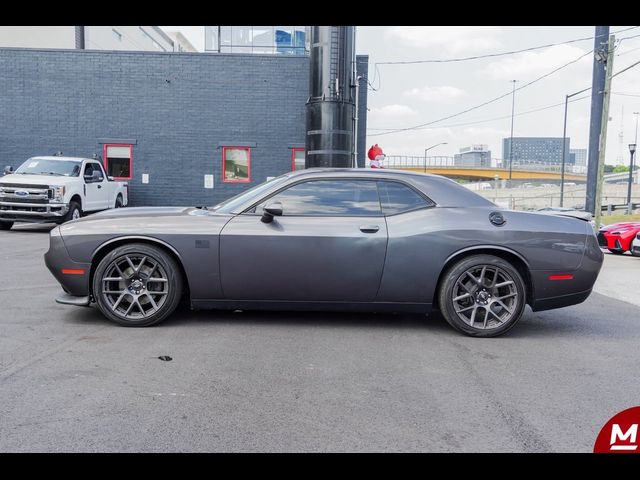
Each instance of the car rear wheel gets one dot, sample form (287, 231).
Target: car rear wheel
(137, 285)
(118, 202)
(482, 296)
(6, 225)
(616, 252)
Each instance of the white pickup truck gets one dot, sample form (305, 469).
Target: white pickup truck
(57, 189)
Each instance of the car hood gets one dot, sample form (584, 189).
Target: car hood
(145, 212)
(621, 226)
(37, 179)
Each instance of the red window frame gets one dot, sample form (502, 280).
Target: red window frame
(106, 160)
(293, 156)
(224, 165)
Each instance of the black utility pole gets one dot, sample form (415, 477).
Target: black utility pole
(600, 49)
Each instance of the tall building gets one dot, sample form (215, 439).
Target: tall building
(473, 156)
(578, 157)
(101, 37)
(535, 150)
(269, 40)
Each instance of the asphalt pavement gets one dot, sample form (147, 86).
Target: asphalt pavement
(274, 382)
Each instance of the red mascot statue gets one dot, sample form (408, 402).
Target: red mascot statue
(376, 156)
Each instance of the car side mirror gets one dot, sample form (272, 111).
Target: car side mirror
(8, 170)
(271, 210)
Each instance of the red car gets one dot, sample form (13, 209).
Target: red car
(618, 237)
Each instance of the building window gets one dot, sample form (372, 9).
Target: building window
(117, 34)
(236, 164)
(297, 159)
(117, 161)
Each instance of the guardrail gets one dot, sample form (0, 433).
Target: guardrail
(619, 206)
(408, 161)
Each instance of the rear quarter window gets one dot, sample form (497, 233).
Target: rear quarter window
(396, 197)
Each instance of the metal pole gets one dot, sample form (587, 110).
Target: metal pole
(632, 151)
(425, 160)
(600, 48)
(564, 142)
(513, 106)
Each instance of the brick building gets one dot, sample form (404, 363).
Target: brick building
(170, 123)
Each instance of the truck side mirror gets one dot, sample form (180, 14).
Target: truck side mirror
(8, 170)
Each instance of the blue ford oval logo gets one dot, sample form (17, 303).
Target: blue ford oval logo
(21, 193)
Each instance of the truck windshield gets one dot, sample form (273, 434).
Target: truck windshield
(39, 166)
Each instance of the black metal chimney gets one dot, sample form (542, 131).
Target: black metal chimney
(331, 104)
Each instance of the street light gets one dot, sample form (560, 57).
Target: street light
(425, 153)
(564, 142)
(513, 106)
(632, 150)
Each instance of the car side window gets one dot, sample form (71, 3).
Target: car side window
(397, 198)
(337, 198)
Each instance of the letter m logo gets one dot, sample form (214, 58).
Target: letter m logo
(629, 437)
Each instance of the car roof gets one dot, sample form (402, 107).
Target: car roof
(51, 157)
(382, 172)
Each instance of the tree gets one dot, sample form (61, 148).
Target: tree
(608, 168)
(620, 169)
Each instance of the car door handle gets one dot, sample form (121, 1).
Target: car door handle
(99, 186)
(369, 228)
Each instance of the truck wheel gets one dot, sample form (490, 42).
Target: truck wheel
(137, 285)
(119, 202)
(74, 213)
(482, 296)
(6, 225)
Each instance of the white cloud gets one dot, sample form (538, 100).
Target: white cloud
(531, 64)
(395, 111)
(442, 93)
(451, 39)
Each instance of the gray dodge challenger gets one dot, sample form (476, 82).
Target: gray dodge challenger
(330, 239)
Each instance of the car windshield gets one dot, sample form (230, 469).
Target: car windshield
(39, 166)
(232, 204)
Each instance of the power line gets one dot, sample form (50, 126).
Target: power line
(475, 122)
(499, 54)
(487, 102)
(626, 94)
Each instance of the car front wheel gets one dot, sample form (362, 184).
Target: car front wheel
(482, 296)
(137, 285)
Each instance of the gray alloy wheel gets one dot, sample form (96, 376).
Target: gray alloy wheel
(137, 285)
(482, 296)
(6, 225)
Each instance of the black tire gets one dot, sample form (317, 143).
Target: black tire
(118, 202)
(74, 211)
(482, 298)
(6, 225)
(616, 252)
(105, 301)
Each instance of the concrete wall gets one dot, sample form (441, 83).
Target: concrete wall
(177, 110)
(132, 37)
(38, 36)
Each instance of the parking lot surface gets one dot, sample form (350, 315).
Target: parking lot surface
(256, 381)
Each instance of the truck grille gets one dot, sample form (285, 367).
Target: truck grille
(38, 194)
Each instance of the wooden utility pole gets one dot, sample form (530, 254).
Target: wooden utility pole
(600, 48)
(603, 127)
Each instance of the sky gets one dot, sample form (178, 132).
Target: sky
(403, 96)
